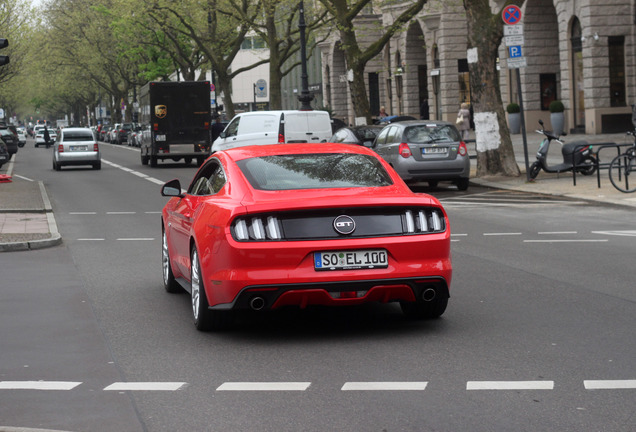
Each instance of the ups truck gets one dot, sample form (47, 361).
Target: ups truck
(176, 121)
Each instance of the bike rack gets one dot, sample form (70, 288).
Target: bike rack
(599, 165)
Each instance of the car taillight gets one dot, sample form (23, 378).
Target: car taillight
(206, 125)
(404, 150)
(424, 221)
(155, 126)
(60, 148)
(281, 138)
(257, 228)
(463, 150)
(95, 147)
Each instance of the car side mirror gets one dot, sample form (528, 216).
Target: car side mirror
(172, 189)
(368, 144)
(223, 135)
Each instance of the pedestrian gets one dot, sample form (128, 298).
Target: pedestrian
(217, 128)
(382, 112)
(47, 137)
(424, 109)
(463, 120)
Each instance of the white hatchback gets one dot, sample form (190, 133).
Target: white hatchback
(76, 146)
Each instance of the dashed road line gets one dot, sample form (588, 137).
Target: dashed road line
(609, 384)
(137, 173)
(38, 385)
(264, 386)
(136, 239)
(567, 241)
(385, 386)
(121, 213)
(504, 234)
(145, 386)
(510, 385)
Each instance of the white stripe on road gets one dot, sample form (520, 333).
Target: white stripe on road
(136, 239)
(82, 213)
(90, 239)
(385, 386)
(120, 212)
(503, 234)
(38, 385)
(145, 386)
(510, 385)
(264, 386)
(609, 384)
(137, 173)
(628, 233)
(556, 232)
(23, 178)
(565, 241)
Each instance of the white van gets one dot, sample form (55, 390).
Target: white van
(273, 127)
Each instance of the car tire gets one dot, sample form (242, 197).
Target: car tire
(204, 318)
(144, 160)
(97, 166)
(421, 309)
(153, 161)
(57, 166)
(169, 282)
(200, 160)
(187, 160)
(462, 184)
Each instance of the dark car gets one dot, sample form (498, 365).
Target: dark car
(360, 135)
(4, 153)
(10, 140)
(121, 133)
(425, 150)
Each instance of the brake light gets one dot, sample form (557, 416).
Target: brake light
(60, 148)
(463, 150)
(281, 138)
(155, 126)
(206, 125)
(404, 150)
(95, 147)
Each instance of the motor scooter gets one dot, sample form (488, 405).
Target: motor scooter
(576, 155)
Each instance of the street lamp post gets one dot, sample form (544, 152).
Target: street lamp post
(305, 96)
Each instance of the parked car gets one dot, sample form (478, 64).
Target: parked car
(112, 134)
(425, 150)
(22, 138)
(39, 137)
(10, 140)
(76, 146)
(360, 135)
(272, 127)
(393, 119)
(4, 153)
(134, 140)
(121, 133)
(262, 227)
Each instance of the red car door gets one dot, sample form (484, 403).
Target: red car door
(180, 225)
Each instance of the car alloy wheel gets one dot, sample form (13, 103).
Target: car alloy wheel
(204, 318)
(169, 282)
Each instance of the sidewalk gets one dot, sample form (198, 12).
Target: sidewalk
(27, 220)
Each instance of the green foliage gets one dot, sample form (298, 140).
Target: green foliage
(556, 106)
(513, 108)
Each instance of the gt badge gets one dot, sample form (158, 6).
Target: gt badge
(344, 224)
(161, 111)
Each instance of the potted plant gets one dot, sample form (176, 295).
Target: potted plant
(556, 117)
(514, 117)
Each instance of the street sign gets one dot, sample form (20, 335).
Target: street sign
(513, 30)
(517, 63)
(261, 88)
(514, 40)
(511, 15)
(514, 51)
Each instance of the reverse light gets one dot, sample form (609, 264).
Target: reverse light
(423, 221)
(404, 150)
(463, 150)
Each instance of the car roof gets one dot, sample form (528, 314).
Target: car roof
(76, 129)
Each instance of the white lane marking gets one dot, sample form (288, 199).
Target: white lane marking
(385, 386)
(90, 239)
(264, 386)
(136, 239)
(628, 233)
(556, 232)
(130, 148)
(609, 384)
(120, 212)
(459, 235)
(566, 241)
(153, 212)
(503, 234)
(510, 385)
(38, 385)
(82, 213)
(23, 178)
(145, 386)
(137, 173)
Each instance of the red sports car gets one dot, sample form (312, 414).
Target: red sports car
(263, 227)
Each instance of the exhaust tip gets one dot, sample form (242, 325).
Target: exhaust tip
(429, 294)
(257, 303)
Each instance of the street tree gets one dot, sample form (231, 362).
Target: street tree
(345, 13)
(495, 155)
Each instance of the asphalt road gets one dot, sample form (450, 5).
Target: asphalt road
(538, 335)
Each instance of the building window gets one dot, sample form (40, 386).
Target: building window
(617, 70)
(548, 85)
(464, 80)
(253, 42)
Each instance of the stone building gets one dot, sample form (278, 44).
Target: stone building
(581, 52)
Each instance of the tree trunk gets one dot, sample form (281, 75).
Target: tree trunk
(495, 155)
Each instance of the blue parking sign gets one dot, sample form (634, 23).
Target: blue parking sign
(514, 51)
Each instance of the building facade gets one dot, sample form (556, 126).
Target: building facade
(581, 52)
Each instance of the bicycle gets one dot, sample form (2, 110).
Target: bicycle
(622, 167)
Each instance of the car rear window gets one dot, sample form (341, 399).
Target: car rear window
(78, 136)
(430, 133)
(314, 171)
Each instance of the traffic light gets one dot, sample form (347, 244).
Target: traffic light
(4, 59)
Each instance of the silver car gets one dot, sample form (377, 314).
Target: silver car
(76, 146)
(425, 150)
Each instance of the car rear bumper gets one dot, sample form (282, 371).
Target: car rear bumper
(77, 158)
(412, 170)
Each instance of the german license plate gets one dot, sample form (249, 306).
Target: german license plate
(160, 138)
(79, 148)
(351, 260)
(435, 150)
